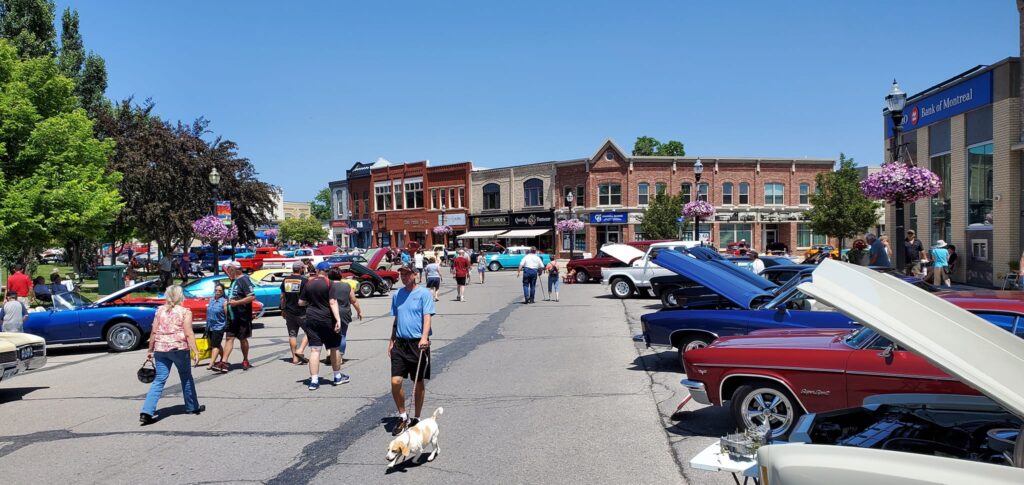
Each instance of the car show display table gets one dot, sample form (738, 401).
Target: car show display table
(713, 460)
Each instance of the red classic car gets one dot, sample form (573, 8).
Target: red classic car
(778, 375)
(588, 269)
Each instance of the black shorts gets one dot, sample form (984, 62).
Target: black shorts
(215, 337)
(460, 280)
(434, 282)
(294, 323)
(239, 328)
(404, 356)
(322, 333)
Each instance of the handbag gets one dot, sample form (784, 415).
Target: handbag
(202, 347)
(145, 374)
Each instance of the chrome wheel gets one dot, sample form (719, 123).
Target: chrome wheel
(123, 337)
(766, 405)
(621, 288)
(582, 276)
(494, 266)
(695, 344)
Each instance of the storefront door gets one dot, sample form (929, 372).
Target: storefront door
(771, 234)
(608, 235)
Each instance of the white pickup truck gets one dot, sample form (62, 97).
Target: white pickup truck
(298, 256)
(636, 276)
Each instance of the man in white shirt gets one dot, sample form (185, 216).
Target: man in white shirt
(418, 260)
(530, 267)
(757, 266)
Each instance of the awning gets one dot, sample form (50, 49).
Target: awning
(479, 234)
(525, 233)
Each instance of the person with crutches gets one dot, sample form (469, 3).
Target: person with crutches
(409, 346)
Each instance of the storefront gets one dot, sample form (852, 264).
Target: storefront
(518, 228)
(362, 238)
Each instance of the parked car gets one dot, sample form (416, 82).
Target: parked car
(816, 254)
(20, 353)
(640, 267)
(589, 269)
(256, 262)
(783, 273)
(270, 275)
(376, 259)
(195, 304)
(905, 438)
(511, 257)
(769, 261)
(370, 281)
(676, 287)
(267, 293)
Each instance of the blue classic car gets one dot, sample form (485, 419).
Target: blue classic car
(752, 308)
(511, 257)
(268, 293)
(74, 319)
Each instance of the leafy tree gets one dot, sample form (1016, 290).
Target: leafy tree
(671, 148)
(660, 217)
(72, 52)
(645, 146)
(92, 85)
(28, 26)
(840, 209)
(305, 230)
(320, 207)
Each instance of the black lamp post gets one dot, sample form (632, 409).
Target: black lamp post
(349, 215)
(896, 101)
(214, 179)
(445, 236)
(698, 168)
(572, 215)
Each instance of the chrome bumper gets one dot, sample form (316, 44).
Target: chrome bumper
(697, 390)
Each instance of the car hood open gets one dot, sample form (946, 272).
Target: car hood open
(963, 345)
(117, 295)
(622, 252)
(712, 276)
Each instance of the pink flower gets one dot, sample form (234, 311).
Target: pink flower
(898, 182)
(569, 225)
(699, 208)
(210, 228)
(350, 230)
(445, 229)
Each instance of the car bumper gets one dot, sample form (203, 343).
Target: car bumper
(697, 390)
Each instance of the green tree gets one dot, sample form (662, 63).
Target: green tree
(305, 230)
(28, 26)
(645, 146)
(661, 216)
(671, 148)
(320, 207)
(72, 52)
(92, 85)
(839, 208)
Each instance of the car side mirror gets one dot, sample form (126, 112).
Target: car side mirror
(886, 353)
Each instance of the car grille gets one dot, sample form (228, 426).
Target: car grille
(39, 349)
(6, 357)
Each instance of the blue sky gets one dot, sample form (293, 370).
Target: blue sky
(309, 88)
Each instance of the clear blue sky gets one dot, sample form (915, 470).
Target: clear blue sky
(309, 88)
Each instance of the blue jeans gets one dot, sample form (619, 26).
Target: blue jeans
(529, 283)
(163, 361)
(554, 283)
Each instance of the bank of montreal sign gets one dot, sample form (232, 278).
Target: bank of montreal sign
(609, 217)
(970, 94)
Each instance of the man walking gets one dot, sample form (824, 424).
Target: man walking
(294, 314)
(530, 267)
(165, 271)
(914, 251)
(409, 347)
(460, 268)
(240, 298)
(19, 284)
(877, 255)
(323, 324)
(13, 314)
(757, 264)
(345, 295)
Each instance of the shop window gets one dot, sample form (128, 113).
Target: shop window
(383, 196)
(414, 195)
(773, 194)
(805, 237)
(942, 224)
(462, 197)
(727, 193)
(609, 194)
(744, 193)
(581, 241)
(684, 192)
(660, 188)
(643, 193)
(492, 197)
(399, 203)
(687, 230)
(702, 191)
(533, 193)
(805, 194)
(979, 184)
(580, 201)
(728, 233)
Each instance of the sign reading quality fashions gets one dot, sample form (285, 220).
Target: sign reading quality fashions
(970, 94)
(517, 220)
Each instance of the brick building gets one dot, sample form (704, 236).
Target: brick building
(514, 202)
(360, 189)
(407, 202)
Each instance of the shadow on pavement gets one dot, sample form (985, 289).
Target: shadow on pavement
(17, 393)
(407, 464)
(78, 349)
(667, 361)
(712, 421)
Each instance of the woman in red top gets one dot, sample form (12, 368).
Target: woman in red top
(169, 344)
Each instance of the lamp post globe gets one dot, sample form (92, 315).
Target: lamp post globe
(698, 168)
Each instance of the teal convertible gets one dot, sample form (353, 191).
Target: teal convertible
(511, 258)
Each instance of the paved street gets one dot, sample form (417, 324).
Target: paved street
(546, 393)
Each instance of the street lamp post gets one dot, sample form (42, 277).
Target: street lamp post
(445, 237)
(572, 215)
(896, 101)
(698, 168)
(349, 224)
(214, 179)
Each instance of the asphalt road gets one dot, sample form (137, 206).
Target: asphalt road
(545, 393)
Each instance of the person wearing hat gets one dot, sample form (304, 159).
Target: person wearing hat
(295, 314)
(914, 252)
(323, 325)
(940, 261)
(240, 297)
(409, 346)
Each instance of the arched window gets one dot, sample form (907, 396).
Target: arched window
(744, 193)
(685, 193)
(702, 191)
(643, 193)
(492, 196)
(805, 194)
(727, 193)
(533, 193)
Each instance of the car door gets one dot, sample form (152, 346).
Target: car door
(268, 294)
(60, 323)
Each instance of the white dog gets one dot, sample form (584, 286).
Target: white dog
(415, 440)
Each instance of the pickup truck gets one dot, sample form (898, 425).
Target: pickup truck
(511, 257)
(297, 256)
(640, 267)
(589, 269)
(256, 262)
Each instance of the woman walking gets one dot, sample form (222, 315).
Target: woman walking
(481, 266)
(433, 275)
(216, 320)
(554, 281)
(169, 344)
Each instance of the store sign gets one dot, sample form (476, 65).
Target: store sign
(337, 223)
(361, 225)
(609, 217)
(973, 93)
(458, 219)
(488, 221)
(530, 220)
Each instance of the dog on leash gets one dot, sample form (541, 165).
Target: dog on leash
(415, 440)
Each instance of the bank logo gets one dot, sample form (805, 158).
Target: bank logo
(597, 217)
(914, 114)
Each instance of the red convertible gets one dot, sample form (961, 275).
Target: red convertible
(778, 375)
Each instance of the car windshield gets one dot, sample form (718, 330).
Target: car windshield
(794, 299)
(69, 301)
(858, 337)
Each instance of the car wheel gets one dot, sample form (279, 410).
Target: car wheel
(123, 336)
(582, 276)
(621, 288)
(390, 283)
(494, 266)
(668, 297)
(692, 343)
(753, 405)
(365, 290)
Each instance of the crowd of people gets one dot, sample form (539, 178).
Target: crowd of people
(935, 264)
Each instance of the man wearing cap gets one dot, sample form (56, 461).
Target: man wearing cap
(294, 314)
(240, 297)
(409, 346)
(323, 324)
(914, 252)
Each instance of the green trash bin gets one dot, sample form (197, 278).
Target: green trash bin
(111, 278)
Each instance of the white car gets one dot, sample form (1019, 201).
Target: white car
(640, 267)
(20, 352)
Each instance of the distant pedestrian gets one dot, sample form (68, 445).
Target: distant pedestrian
(184, 267)
(323, 324)
(240, 298)
(444, 258)
(858, 254)
(460, 268)
(166, 266)
(345, 295)
(878, 254)
(169, 344)
(530, 267)
(951, 264)
(409, 346)
(433, 274)
(888, 247)
(19, 283)
(756, 264)
(405, 257)
(13, 313)
(418, 259)
(914, 252)
(481, 266)
(216, 321)
(940, 260)
(295, 314)
(554, 280)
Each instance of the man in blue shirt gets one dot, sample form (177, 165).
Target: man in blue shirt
(409, 347)
(877, 255)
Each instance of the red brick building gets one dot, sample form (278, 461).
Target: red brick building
(406, 202)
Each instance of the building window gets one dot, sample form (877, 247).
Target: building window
(660, 188)
(444, 199)
(533, 193)
(414, 195)
(773, 194)
(609, 194)
(942, 225)
(399, 203)
(727, 193)
(728, 233)
(355, 208)
(492, 197)
(580, 201)
(462, 197)
(383, 196)
(608, 155)
(702, 191)
(687, 230)
(806, 238)
(452, 196)
(366, 203)
(684, 192)
(581, 241)
(643, 193)
(744, 193)
(805, 194)
(979, 184)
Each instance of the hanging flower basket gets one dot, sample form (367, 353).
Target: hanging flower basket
(350, 230)
(446, 229)
(210, 228)
(898, 182)
(569, 225)
(271, 233)
(699, 208)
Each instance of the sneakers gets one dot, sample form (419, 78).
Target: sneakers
(341, 379)
(146, 419)
(202, 407)
(314, 385)
(245, 365)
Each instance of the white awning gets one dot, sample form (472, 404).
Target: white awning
(525, 233)
(479, 234)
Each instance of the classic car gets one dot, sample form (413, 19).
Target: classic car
(268, 293)
(676, 287)
(19, 353)
(589, 269)
(256, 261)
(270, 275)
(511, 257)
(913, 438)
(370, 281)
(72, 318)
(769, 261)
(376, 258)
(640, 267)
(821, 249)
(195, 304)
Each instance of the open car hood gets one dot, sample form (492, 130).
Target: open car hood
(963, 345)
(117, 295)
(622, 252)
(713, 276)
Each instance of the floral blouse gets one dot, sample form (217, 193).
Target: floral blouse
(169, 328)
